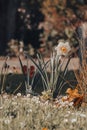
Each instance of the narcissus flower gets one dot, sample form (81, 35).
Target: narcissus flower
(63, 48)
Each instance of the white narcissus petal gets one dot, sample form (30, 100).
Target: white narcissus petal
(63, 48)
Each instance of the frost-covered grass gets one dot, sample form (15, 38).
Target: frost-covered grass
(19, 112)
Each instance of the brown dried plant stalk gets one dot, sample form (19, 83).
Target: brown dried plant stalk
(81, 74)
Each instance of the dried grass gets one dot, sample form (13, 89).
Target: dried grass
(81, 74)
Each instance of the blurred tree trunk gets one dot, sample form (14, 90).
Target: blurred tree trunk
(11, 25)
(11, 18)
(8, 11)
(3, 21)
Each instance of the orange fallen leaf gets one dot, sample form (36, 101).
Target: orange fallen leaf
(73, 95)
(44, 129)
(78, 101)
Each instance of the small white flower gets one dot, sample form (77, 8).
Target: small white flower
(71, 104)
(73, 120)
(18, 94)
(46, 103)
(30, 110)
(64, 103)
(65, 120)
(63, 48)
(82, 115)
(28, 95)
(7, 121)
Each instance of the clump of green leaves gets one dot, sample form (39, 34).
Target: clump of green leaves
(50, 70)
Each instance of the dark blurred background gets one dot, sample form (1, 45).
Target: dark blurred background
(39, 22)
